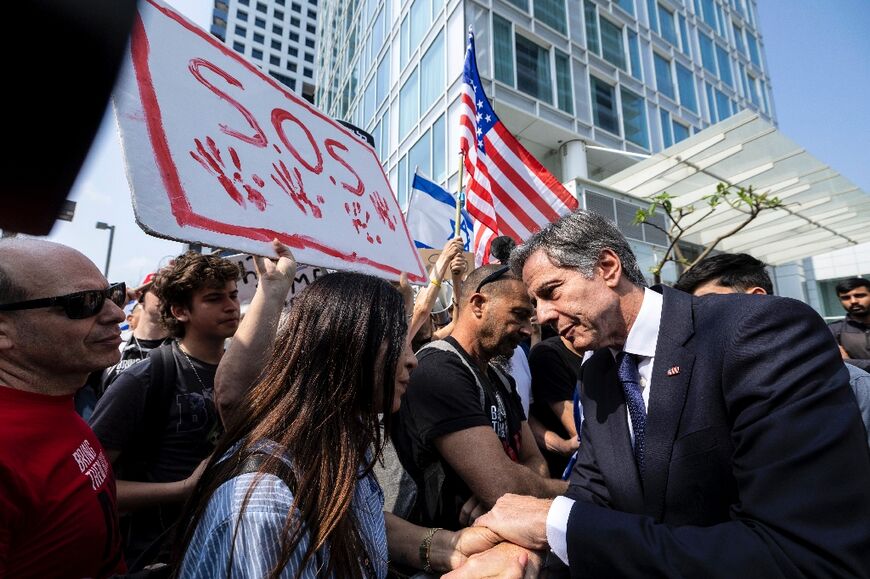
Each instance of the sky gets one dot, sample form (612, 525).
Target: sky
(816, 53)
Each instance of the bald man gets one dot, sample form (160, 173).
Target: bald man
(58, 322)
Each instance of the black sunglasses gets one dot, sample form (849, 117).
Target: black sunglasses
(78, 305)
(492, 277)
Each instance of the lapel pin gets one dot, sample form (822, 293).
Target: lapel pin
(673, 371)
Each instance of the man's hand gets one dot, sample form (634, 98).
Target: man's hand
(504, 561)
(472, 509)
(276, 274)
(458, 265)
(519, 519)
(189, 484)
(470, 541)
(450, 251)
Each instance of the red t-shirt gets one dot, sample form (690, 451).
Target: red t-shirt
(58, 515)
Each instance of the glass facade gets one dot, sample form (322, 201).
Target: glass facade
(630, 74)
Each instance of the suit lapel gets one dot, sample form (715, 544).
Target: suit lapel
(672, 371)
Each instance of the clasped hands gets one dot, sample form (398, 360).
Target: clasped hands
(505, 543)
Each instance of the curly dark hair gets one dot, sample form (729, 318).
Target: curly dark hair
(175, 284)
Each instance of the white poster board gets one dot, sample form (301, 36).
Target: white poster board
(247, 284)
(221, 154)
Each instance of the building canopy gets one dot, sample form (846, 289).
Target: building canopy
(822, 209)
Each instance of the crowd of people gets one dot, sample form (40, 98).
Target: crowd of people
(567, 420)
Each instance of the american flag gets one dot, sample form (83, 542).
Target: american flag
(509, 192)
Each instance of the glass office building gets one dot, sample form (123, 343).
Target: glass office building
(278, 35)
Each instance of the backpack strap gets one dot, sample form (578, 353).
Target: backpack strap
(445, 346)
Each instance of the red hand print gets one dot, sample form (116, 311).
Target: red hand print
(292, 185)
(383, 210)
(212, 161)
(355, 210)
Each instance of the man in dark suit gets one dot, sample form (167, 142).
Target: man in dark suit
(720, 438)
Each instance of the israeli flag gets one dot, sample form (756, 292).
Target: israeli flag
(431, 215)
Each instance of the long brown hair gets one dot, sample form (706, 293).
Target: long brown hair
(317, 401)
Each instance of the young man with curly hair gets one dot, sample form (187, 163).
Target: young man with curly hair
(158, 420)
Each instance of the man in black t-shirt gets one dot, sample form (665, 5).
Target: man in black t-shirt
(157, 432)
(461, 430)
(555, 369)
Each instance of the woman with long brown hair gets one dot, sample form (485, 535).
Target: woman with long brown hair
(289, 490)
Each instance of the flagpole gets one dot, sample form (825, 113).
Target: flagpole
(459, 195)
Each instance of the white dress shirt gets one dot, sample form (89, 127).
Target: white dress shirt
(641, 341)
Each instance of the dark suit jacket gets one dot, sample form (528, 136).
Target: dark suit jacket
(756, 464)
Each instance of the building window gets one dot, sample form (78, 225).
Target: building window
(612, 48)
(277, 30)
(684, 36)
(259, 23)
(552, 13)
(257, 54)
(242, 15)
(274, 60)
(307, 72)
(296, 7)
(652, 12)
(754, 56)
(239, 47)
(294, 37)
(521, 4)
(309, 57)
(711, 103)
(292, 51)
(564, 97)
(723, 105)
(241, 31)
(291, 66)
(279, 2)
(502, 50)
(258, 38)
(279, 15)
(753, 89)
(709, 13)
(420, 155)
(681, 132)
(634, 119)
(295, 22)
(686, 85)
(286, 80)
(439, 154)
(533, 69)
(634, 54)
(738, 40)
(312, 14)
(276, 44)
(664, 80)
(591, 16)
(708, 56)
(243, 2)
(667, 135)
(309, 42)
(724, 66)
(667, 29)
(627, 5)
(432, 74)
(383, 78)
(311, 29)
(409, 104)
(604, 106)
(261, 7)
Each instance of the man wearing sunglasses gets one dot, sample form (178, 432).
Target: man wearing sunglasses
(58, 323)
(158, 420)
(461, 431)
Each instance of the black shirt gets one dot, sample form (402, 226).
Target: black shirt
(443, 398)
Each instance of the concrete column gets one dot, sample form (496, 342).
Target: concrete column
(574, 160)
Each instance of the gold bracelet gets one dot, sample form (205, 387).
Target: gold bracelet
(426, 547)
(435, 281)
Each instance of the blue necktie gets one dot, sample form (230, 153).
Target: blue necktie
(630, 378)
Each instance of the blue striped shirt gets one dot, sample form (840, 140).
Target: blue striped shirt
(257, 544)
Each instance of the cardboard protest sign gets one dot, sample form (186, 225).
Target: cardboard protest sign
(221, 154)
(247, 284)
(430, 256)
